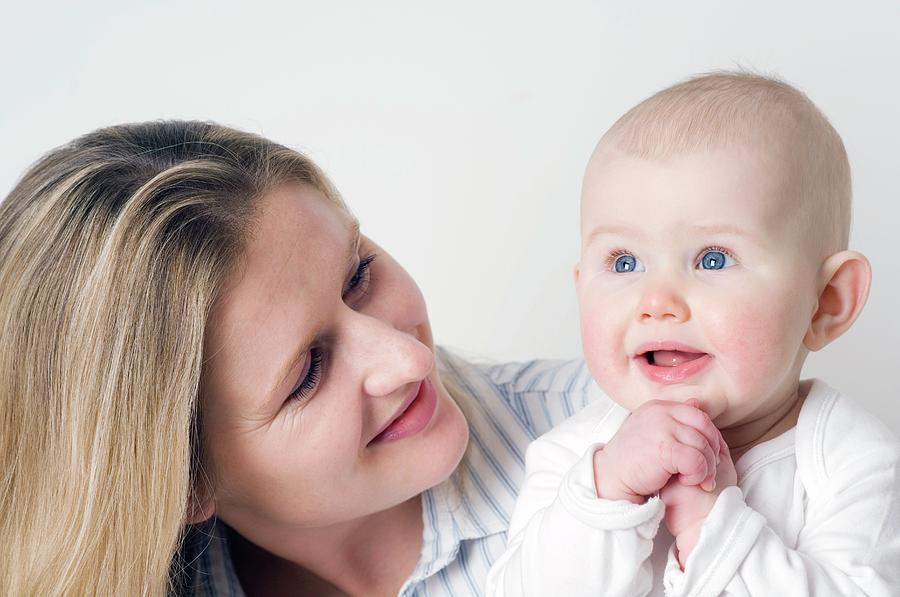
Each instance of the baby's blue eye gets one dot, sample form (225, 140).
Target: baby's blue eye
(713, 259)
(627, 263)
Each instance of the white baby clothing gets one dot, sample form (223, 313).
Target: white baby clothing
(816, 512)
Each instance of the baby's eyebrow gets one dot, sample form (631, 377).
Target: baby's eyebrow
(613, 229)
(708, 229)
(721, 229)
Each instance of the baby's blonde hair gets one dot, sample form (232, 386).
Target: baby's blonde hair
(113, 250)
(726, 109)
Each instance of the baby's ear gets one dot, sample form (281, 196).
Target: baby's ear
(843, 289)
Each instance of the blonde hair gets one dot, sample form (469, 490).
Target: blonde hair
(113, 249)
(724, 109)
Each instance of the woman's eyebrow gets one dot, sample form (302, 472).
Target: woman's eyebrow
(354, 244)
(303, 348)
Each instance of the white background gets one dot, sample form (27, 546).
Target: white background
(458, 132)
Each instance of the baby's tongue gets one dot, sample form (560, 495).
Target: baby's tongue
(673, 358)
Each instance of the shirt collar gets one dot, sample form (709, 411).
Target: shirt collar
(448, 520)
(449, 517)
(207, 560)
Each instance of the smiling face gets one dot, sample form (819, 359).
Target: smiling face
(321, 403)
(695, 281)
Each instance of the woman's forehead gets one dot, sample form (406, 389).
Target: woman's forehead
(296, 212)
(299, 234)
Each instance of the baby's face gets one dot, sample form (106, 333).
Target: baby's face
(694, 281)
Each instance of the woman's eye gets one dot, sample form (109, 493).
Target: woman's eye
(311, 376)
(358, 283)
(713, 259)
(361, 278)
(627, 263)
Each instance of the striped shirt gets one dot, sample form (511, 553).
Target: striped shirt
(466, 517)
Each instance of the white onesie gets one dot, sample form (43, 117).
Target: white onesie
(816, 513)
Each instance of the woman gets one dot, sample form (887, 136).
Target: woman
(213, 384)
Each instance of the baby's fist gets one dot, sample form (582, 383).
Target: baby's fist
(658, 440)
(687, 506)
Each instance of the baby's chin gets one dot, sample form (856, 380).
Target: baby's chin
(712, 401)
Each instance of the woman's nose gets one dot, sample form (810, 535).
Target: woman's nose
(663, 301)
(389, 358)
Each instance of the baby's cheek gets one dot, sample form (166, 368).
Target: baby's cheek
(603, 342)
(757, 343)
(593, 337)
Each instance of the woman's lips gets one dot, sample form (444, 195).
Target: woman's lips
(668, 363)
(413, 417)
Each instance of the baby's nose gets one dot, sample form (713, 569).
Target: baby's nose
(663, 302)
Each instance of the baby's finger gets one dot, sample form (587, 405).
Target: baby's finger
(724, 451)
(679, 459)
(691, 437)
(699, 420)
(707, 484)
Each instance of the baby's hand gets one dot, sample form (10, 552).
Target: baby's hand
(687, 506)
(658, 440)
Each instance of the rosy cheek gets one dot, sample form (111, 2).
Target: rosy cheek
(602, 334)
(592, 335)
(754, 342)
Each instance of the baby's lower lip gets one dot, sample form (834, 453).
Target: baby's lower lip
(672, 366)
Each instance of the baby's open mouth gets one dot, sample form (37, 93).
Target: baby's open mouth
(668, 362)
(670, 358)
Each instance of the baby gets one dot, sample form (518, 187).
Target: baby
(715, 221)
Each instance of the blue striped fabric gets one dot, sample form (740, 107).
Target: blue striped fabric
(465, 518)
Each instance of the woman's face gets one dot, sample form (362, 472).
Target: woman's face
(321, 403)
